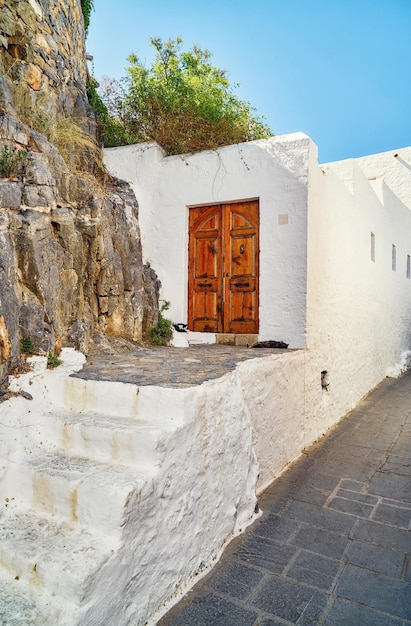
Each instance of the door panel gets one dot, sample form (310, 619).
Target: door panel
(241, 267)
(223, 268)
(205, 270)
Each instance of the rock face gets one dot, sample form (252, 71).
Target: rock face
(70, 252)
(42, 54)
(70, 259)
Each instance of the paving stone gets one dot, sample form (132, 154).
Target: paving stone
(314, 488)
(210, 610)
(353, 450)
(397, 465)
(321, 541)
(277, 527)
(345, 613)
(269, 621)
(402, 449)
(235, 579)
(314, 610)
(315, 570)
(377, 455)
(360, 470)
(376, 558)
(169, 366)
(376, 591)
(394, 515)
(383, 535)
(270, 504)
(320, 517)
(264, 553)
(353, 485)
(390, 485)
(286, 599)
(374, 443)
(351, 506)
(359, 497)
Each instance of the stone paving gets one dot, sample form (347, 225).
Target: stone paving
(170, 367)
(332, 545)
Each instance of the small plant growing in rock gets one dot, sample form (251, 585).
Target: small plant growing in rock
(162, 332)
(12, 161)
(26, 346)
(53, 361)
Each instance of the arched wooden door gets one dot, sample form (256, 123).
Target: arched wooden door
(223, 268)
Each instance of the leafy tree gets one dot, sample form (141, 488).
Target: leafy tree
(183, 102)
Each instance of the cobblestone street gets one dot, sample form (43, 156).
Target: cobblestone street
(332, 545)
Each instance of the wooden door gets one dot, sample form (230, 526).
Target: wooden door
(223, 268)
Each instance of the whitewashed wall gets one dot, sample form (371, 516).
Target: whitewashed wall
(274, 170)
(358, 310)
(319, 287)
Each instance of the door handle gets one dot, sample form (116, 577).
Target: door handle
(204, 284)
(241, 284)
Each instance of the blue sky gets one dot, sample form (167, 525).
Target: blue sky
(338, 70)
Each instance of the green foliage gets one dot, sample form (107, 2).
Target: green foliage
(12, 161)
(53, 361)
(26, 346)
(87, 6)
(183, 102)
(161, 334)
(110, 130)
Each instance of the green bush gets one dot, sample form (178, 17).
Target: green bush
(53, 361)
(26, 346)
(110, 131)
(161, 334)
(13, 160)
(183, 102)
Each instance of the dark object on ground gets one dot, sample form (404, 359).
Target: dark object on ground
(25, 394)
(270, 344)
(7, 394)
(180, 328)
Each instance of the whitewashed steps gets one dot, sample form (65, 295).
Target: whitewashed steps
(52, 561)
(20, 607)
(83, 459)
(82, 491)
(105, 438)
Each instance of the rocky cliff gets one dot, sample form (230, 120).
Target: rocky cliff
(70, 253)
(43, 57)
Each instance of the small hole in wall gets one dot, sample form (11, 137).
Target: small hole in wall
(324, 380)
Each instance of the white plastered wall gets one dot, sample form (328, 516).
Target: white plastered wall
(319, 288)
(358, 310)
(274, 170)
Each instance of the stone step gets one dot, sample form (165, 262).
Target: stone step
(107, 439)
(21, 606)
(47, 559)
(79, 491)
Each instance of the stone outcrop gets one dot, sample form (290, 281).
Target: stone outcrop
(43, 57)
(70, 252)
(70, 257)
